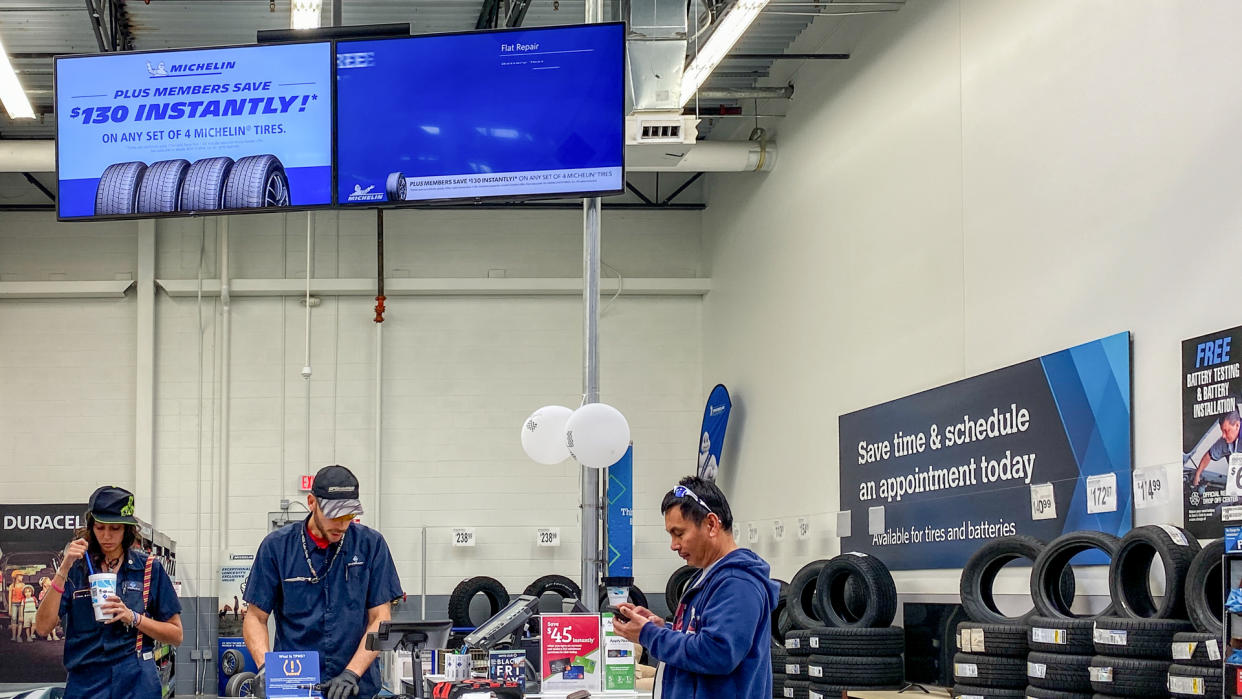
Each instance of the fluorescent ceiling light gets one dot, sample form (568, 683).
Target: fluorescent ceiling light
(11, 92)
(305, 14)
(730, 29)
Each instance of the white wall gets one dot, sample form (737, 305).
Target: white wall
(981, 183)
(460, 374)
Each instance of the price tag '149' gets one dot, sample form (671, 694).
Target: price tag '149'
(1043, 502)
(463, 537)
(1150, 487)
(1102, 493)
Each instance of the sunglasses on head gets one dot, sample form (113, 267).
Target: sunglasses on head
(682, 491)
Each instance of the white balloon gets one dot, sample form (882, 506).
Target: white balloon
(597, 435)
(543, 434)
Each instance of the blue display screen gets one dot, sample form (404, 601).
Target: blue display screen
(173, 132)
(508, 114)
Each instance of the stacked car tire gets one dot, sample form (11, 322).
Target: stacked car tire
(1133, 656)
(843, 609)
(1060, 657)
(1134, 648)
(1196, 669)
(991, 662)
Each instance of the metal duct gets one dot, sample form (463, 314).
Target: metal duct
(655, 53)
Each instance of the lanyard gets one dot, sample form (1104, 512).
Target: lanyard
(316, 576)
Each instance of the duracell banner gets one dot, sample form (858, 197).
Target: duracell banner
(38, 524)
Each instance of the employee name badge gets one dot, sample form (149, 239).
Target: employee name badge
(1233, 486)
(292, 674)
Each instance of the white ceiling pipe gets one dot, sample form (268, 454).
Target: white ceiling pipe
(704, 156)
(27, 156)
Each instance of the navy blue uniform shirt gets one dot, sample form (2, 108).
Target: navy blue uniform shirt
(88, 642)
(329, 616)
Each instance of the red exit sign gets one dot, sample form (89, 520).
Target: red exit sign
(308, 482)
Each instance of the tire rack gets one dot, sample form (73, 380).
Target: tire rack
(157, 543)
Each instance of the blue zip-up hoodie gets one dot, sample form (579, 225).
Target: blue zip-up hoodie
(720, 644)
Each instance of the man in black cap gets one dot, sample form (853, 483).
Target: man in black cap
(329, 580)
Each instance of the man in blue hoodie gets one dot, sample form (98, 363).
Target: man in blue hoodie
(719, 644)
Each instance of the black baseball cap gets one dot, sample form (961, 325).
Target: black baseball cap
(113, 505)
(336, 490)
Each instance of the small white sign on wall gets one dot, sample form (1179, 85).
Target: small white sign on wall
(1102, 493)
(804, 528)
(464, 536)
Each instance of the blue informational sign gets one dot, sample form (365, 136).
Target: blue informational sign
(1233, 539)
(292, 674)
(145, 134)
(498, 114)
(231, 664)
(1038, 448)
(621, 517)
(712, 433)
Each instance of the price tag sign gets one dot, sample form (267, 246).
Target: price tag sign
(1233, 486)
(752, 533)
(548, 536)
(1151, 487)
(804, 528)
(1043, 504)
(1102, 493)
(778, 530)
(463, 537)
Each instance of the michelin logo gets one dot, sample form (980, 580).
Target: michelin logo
(360, 194)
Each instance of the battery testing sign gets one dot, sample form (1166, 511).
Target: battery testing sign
(194, 130)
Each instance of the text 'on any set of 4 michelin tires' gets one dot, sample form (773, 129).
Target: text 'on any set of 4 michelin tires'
(208, 184)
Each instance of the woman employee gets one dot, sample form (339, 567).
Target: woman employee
(106, 659)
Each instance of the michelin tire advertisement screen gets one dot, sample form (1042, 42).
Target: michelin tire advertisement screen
(470, 116)
(149, 134)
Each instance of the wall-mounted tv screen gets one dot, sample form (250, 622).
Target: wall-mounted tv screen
(500, 114)
(194, 131)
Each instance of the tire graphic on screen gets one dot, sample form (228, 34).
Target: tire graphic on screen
(257, 181)
(160, 191)
(395, 186)
(117, 192)
(204, 184)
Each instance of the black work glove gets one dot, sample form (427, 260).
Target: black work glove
(258, 686)
(342, 686)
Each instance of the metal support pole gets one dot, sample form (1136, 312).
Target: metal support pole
(592, 512)
(144, 420)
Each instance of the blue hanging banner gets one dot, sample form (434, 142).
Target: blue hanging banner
(711, 436)
(621, 517)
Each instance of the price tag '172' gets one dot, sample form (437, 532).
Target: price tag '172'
(1043, 502)
(463, 537)
(1102, 493)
